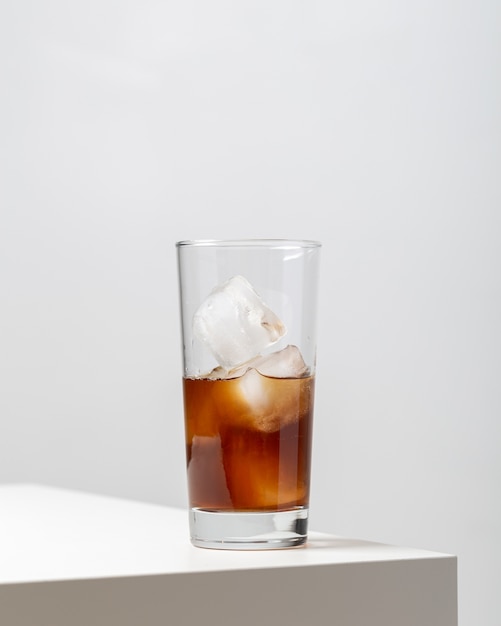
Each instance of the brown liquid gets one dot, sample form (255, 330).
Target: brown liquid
(248, 442)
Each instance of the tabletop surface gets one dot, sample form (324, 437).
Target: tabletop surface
(49, 534)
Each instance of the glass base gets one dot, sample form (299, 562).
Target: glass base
(248, 530)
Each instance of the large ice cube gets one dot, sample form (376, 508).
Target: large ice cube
(235, 324)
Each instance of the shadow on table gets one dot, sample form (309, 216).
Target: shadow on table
(337, 542)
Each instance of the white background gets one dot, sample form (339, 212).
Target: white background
(374, 127)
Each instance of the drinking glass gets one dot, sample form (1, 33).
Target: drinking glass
(248, 325)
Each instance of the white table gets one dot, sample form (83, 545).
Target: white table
(74, 559)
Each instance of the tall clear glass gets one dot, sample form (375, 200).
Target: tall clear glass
(248, 318)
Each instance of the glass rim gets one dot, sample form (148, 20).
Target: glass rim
(278, 244)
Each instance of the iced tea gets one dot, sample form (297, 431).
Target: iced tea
(248, 322)
(248, 442)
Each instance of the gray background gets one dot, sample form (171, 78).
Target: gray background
(374, 127)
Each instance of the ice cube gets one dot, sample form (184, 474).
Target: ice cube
(286, 363)
(206, 477)
(265, 393)
(262, 402)
(261, 474)
(235, 324)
